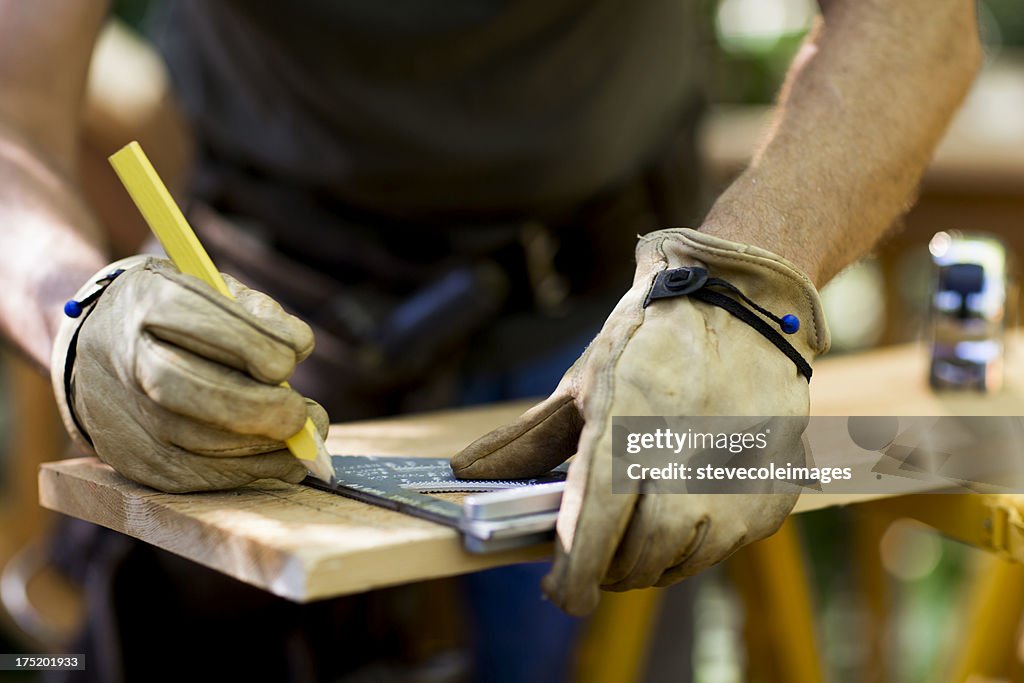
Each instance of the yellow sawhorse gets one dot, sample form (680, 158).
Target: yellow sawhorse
(781, 639)
(780, 631)
(995, 601)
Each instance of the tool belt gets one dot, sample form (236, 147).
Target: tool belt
(394, 303)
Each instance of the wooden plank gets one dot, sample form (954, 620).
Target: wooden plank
(894, 381)
(306, 544)
(296, 542)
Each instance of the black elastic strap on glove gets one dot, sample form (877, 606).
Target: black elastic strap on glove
(74, 309)
(694, 282)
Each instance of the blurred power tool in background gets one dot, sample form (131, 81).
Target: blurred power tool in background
(973, 301)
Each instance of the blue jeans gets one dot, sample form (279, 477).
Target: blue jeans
(517, 634)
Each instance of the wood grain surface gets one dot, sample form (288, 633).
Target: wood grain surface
(305, 544)
(294, 541)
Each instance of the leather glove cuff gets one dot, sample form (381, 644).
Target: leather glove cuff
(62, 358)
(766, 278)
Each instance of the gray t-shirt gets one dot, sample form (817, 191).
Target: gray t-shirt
(412, 108)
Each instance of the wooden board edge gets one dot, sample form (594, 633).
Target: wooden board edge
(290, 575)
(60, 490)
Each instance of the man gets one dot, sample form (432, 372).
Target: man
(424, 135)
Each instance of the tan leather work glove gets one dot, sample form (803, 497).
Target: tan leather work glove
(677, 356)
(177, 387)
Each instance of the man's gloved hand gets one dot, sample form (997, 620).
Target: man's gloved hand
(178, 387)
(678, 356)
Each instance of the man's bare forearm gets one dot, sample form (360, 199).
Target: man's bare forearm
(49, 245)
(867, 100)
(49, 241)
